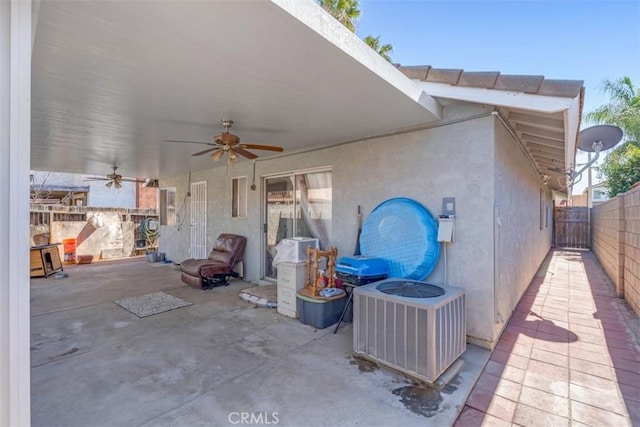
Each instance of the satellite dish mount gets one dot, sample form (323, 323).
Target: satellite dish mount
(594, 140)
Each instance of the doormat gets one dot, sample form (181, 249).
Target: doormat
(263, 296)
(148, 305)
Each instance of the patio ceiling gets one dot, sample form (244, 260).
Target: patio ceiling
(112, 80)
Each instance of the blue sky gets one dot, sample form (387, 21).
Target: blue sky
(576, 40)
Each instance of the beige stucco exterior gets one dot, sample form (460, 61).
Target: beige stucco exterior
(470, 156)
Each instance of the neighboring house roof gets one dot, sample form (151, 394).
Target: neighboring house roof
(598, 186)
(542, 114)
(67, 188)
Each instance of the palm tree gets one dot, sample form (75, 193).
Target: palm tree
(621, 167)
(623, 109)
(346, 12)
(382, 49)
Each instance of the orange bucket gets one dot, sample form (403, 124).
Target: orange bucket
(69, 246)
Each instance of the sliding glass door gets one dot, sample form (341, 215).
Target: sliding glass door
(296, 205)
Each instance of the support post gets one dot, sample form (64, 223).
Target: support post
(15, 146)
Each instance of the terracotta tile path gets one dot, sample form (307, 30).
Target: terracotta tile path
(570, 355)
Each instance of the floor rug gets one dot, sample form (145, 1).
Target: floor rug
(263, 296)
(148, 305)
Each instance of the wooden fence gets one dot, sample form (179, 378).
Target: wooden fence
(571, 227)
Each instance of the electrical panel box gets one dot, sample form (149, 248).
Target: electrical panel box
(445, 229)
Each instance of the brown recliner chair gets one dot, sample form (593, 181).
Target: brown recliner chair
(216, 270)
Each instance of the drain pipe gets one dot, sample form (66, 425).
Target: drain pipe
(513, 133)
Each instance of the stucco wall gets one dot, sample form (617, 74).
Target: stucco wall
(616, 243)
(104, 233)
(453, 160)
(521, 241)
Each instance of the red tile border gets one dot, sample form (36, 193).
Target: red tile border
(565, 357)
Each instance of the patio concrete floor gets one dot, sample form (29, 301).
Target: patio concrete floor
(96, 364)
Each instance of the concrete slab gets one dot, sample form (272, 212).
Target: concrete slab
(220, 361)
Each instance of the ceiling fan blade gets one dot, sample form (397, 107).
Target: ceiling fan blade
(200, 153)
(245, 153)
(262, 147)
(130, 180)
(189, 142)
(92, 178)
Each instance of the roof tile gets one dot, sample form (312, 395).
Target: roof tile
(444, 75)
(514, 83)
(564, 88)
(418, 72)
(494, 80)
(485, 79)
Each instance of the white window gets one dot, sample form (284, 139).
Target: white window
(168, 206)
(239, 197)
(599, 194)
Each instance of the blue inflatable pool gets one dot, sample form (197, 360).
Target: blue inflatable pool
(403, 232)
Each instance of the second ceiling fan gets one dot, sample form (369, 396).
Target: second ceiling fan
(113, 179)
(229, 144)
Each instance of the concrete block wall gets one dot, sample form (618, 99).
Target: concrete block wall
(616, 243)
(605, 239)
(631, 258)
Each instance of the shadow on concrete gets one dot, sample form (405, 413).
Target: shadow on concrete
(621, 330)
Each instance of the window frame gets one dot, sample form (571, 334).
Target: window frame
(167, 212)
(239, 196)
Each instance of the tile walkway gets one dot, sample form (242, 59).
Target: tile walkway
(570, 355)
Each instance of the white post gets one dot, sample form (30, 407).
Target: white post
(589, 202)
(15, 146)
(589, 190)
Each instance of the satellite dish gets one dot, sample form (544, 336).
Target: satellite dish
(600, 137)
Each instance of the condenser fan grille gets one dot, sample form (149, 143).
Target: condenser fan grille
(404, 288)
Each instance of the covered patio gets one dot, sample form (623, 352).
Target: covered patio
(94, 363)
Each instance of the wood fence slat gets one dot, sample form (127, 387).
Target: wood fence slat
(571, 227)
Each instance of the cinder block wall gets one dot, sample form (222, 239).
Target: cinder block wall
(605, 239)
(616, 243)
(631, 235)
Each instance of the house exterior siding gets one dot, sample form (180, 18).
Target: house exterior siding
(451, 160)
(523, 225)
